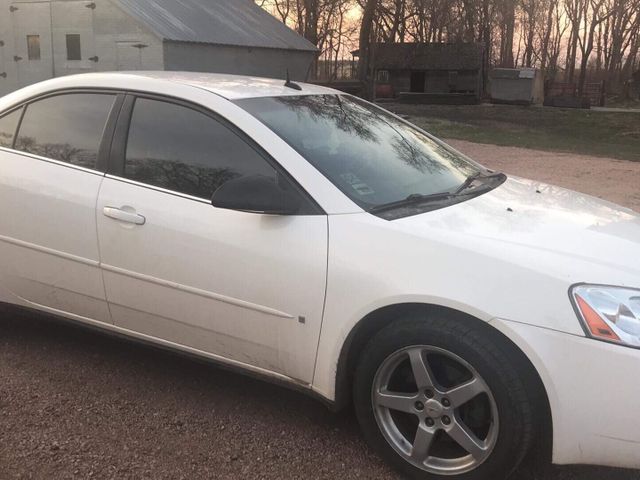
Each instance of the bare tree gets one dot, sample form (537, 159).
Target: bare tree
(366, 41)
(507, 32)
(595, 12)
(554, 35)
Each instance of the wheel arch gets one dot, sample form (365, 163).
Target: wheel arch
(373, 322)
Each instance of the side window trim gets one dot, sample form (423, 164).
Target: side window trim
(104, 151)
(11, 111)
(23, 109)
(118, 151)
(107, 134)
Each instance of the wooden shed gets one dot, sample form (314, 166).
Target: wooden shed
(429, 72)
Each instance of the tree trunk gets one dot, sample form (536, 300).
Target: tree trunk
(506, 57)
(365, 42)
(587, 48)
(531, 11)
(486, 36)
(547, 38)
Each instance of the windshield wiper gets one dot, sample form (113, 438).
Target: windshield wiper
(412, 199)
(472, 178)
(419, 198)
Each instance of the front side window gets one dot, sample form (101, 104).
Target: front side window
(8, 127)
(33, 47)
(74, 50)
(373, 157)
(183, 150)
(67, 127)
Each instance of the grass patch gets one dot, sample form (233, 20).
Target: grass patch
(606, 134)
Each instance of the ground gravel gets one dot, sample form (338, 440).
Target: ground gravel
(75, 404)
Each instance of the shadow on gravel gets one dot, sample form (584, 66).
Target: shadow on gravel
(77, 403)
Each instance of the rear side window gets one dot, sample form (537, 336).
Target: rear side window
(183, 150)
(67, 128)
(8, 127)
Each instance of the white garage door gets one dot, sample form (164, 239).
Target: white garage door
(74, 37)
(129, 55)
(4, 75)
(32, 36)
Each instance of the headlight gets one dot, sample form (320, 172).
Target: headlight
(609, 313)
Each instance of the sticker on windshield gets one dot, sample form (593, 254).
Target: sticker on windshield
(357, 184)
(363, 189)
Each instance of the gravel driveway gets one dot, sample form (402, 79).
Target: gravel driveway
(614, 180)
(78, 404)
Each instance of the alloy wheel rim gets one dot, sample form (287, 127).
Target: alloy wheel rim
(439, 408)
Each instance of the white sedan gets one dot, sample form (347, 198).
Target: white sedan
(317, 240)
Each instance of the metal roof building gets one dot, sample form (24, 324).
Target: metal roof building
(44, 39)
(518, 86)
(429, 72)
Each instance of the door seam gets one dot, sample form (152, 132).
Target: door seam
(104, 282)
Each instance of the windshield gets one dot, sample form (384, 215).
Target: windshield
(371, 156)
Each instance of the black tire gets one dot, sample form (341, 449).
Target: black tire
(470, 342)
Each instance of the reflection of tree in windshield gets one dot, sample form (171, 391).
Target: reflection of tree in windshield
(352, 117)
(369, 154)
(333, 110)
(422, 153)
(411, 154)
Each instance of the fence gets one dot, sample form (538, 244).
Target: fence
(595, 92)
(332, 70)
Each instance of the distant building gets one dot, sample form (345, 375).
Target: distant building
(50, 38)
(517, 86)
(429, 72)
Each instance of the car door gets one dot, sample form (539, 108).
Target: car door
(245, 287)
(49, 182)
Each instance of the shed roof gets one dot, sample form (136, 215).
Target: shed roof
(427, 56)
(220, 22)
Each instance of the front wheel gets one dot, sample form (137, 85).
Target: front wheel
(439, 399)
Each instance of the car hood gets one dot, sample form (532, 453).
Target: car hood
(540, 225)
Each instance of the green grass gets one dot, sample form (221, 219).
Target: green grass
(607, 134)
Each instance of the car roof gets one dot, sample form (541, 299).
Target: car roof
(238, 86)
(231, 87)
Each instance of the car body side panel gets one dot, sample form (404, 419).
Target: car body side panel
(229, 283)
(48, 239)
(421, 261)
(592, 389)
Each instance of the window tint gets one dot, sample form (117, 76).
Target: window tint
(183, 150)
(68, 128)
(74, 52)
(33, 47)
(8, 127)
